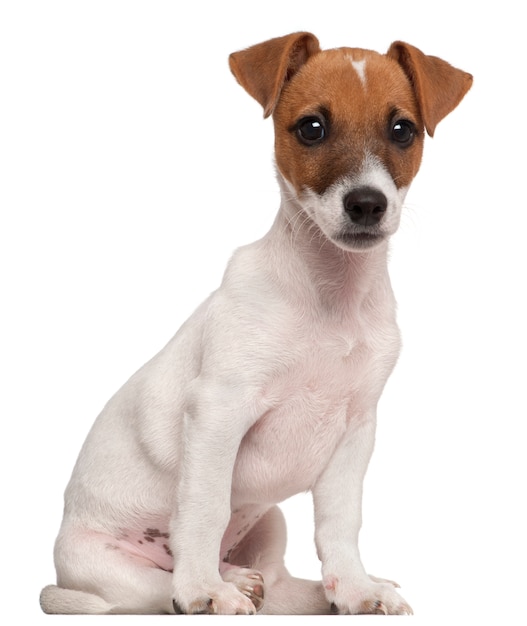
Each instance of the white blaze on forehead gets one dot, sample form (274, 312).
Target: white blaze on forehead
(360, 68)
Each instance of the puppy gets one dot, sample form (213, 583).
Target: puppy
(271, 387)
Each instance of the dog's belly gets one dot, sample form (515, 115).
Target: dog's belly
(149, 545)
(286, 450)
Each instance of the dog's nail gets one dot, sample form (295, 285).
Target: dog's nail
(211, 606)
(407, 610)
(177, 608)
(256, 576)
(380, 609)
(198, 608)
(251, 612)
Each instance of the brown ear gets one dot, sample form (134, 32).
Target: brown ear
(438, 86)
(263, 69)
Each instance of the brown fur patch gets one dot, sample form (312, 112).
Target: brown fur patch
(359, 117)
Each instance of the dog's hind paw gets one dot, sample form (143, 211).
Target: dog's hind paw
(249, 581)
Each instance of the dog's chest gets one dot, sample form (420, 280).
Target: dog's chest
(315, 400)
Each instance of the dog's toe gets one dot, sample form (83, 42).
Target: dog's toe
(373, 598)
(227, 600)
(203, 606)
(250, 582)
(376, 579)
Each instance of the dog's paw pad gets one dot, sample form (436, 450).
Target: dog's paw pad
(255, 595)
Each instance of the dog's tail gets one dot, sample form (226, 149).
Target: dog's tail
(56, 600)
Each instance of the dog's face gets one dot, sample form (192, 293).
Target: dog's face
(349, 140)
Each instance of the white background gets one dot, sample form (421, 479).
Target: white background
(132, 164)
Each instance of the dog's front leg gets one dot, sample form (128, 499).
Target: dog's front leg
(337, 497)
(214, 427)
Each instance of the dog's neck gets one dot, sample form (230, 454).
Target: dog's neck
(310, 266)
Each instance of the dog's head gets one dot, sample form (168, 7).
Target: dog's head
(349, 126)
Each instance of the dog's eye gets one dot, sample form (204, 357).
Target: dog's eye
(403, 132)
(310, 130)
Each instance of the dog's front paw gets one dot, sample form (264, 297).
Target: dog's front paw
(369, 598)
(222, 599)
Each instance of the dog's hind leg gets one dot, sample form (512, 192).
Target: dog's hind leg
(263, 549)
(94, 577)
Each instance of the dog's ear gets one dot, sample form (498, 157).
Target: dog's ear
(438, 86)
(263, 69)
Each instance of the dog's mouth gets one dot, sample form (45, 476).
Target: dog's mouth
(359, 240)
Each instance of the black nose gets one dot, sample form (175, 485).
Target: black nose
(365, 206)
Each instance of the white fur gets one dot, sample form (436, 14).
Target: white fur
(326, 209)
(360, 68)
(269, 389)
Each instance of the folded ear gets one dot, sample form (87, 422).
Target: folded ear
(263, 69)
(438, 86)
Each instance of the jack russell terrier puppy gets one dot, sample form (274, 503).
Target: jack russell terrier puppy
(270, 388)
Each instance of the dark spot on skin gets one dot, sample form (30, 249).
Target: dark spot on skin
(150, 539)
(167, 550)
(139, 541)
(227, 557)
(155, 532)
(243, 529)
(111, 546)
